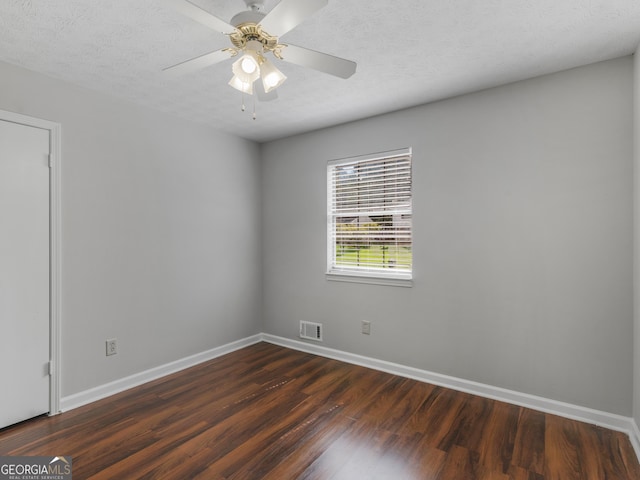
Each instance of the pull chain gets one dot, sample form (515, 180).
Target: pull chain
(254, 107)
(243, 108)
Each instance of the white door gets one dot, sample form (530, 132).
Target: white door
(24, 272)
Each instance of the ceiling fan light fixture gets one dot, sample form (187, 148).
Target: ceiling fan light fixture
(247, 67)
(242, 74)
(272, 78)
(245, 87)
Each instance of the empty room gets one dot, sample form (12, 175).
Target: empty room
(318, 239)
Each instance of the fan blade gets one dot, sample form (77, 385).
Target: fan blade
(287, 14)
(319, 61)
(197, 63)
(199, 14)
(262, 95)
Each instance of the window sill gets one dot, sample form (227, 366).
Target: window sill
(356, 278)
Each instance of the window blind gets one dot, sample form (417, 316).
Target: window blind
(369, 215)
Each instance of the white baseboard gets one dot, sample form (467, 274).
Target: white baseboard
(575, 412)
(97, 393)
(634, 437)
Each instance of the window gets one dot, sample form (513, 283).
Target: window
(369, 218)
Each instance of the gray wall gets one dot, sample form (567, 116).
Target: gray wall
(160, 231)
(523, 238)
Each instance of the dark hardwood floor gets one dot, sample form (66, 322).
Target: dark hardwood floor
(266, 412)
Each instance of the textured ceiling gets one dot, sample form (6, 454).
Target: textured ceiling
(409, 52)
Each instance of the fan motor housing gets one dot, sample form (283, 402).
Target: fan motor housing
(249, 16)
(248, 28)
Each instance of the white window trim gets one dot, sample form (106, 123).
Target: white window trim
(395, 279)
(368, 279)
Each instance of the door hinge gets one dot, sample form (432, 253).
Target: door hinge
(51, 161)
(51, 368)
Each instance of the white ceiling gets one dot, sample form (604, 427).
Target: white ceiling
(409, 52)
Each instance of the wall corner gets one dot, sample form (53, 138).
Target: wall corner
(636, 236)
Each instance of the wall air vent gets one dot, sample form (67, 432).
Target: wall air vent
(311, 331)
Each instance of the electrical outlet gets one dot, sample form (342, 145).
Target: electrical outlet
(366, 327)
(112, 346)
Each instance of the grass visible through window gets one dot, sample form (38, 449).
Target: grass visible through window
(391, 256)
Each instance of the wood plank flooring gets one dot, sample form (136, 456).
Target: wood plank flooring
(266, 412)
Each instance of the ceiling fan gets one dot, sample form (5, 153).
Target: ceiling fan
(254, 35)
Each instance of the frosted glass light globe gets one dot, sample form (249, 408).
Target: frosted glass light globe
(248, 65)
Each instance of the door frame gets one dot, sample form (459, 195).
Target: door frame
(55, 278)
